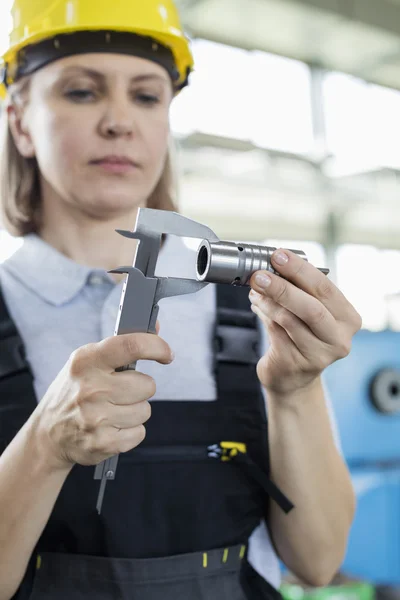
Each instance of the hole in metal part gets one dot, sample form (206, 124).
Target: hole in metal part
(202, 260)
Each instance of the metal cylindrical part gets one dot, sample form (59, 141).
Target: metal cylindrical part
(229, 262)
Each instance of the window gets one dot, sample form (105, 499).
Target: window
(362, 121)
(246, 95)
(216, 102)
(384, 120)
(368, 276)
(279, 99)
(347, 113)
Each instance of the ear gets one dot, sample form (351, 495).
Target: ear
(19, 130)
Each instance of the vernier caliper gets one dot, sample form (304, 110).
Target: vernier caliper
(142, 290)
(216, 262)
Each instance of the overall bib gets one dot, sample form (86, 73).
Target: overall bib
(176, 521)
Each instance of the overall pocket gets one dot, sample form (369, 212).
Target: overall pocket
(214, 575)
(180, 499)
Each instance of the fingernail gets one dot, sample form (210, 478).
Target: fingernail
(280, 258)
(172, 356)
(263, 280)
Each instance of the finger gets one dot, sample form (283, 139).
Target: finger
(282, 352)
(308, 278)
(127, 439)
(130, 387)
(111, 442)
(127, 417)
(309, 346)
(126, 349)
(307, 308)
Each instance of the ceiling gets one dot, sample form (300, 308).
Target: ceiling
(251, 194)
(359, 37)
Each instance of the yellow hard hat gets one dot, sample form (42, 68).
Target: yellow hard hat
(42, 32)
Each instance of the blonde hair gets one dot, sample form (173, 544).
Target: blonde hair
(20, 194)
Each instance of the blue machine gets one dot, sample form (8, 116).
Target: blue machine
(370, 438)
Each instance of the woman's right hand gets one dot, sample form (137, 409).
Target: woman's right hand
(91, 412)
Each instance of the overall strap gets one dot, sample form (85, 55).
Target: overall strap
(17, 402)
(237, 352)
(17, 395)
(12, 360)
(237, 346)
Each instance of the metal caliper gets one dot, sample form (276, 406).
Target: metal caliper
(142, 290)
(217, 262)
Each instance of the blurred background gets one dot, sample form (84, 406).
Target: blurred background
(289, 136)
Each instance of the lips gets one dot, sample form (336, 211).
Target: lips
(115, 164)
(114, 160)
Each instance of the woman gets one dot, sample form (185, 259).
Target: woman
(85, 144)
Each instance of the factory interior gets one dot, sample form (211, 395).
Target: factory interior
(289, 136)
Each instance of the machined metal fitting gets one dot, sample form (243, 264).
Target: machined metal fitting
(235, 263)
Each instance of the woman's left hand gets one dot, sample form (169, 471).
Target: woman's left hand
(310, 323)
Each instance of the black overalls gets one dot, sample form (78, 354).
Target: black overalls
(175, 522)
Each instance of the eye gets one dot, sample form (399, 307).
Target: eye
(147, 99)
(80, 95)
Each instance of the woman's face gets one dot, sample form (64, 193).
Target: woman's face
(98, 126)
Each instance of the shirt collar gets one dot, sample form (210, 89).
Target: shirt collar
(51, 275)
(57, 279)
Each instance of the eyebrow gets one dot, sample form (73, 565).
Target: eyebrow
(100, 76)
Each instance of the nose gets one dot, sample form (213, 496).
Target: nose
(117, 120)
